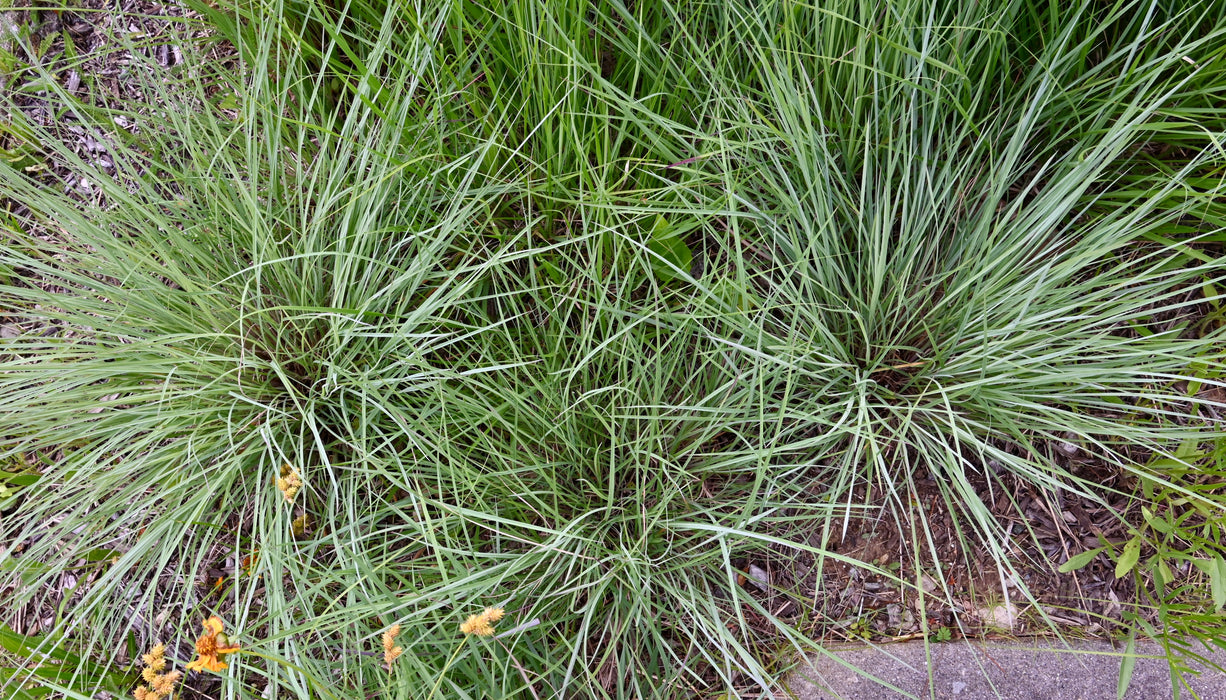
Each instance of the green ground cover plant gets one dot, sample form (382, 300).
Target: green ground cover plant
(572, 310)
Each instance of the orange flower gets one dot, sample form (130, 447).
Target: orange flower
(209, 645)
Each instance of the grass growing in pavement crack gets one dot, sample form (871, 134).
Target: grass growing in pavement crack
(610, 317)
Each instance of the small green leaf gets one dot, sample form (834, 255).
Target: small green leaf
(20, 480)
(133, 651)
(102, 554)
(675, 257)
(1164, 569)
(660, 228)
(1129, 557)
(1147, 485)
(1159, 524)
(552, 272)
(1078, 561)
(1188, 449)
(9, 673)
(1217, 581)
(1127, 664)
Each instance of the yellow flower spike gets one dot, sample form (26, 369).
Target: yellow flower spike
(210, 644)
(390, 650)
(482, 624)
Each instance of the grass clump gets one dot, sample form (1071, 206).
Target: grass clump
(585, 313)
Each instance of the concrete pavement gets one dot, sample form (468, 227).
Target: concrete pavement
(1040, 670)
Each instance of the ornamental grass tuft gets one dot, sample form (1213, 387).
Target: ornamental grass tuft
(625, 315)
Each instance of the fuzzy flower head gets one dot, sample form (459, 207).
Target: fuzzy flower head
(299, 526)
(290, 482)
(155, 659)
(390, 650)
(160, 685)
(482, 624)
(211, 644)
(164, 685)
